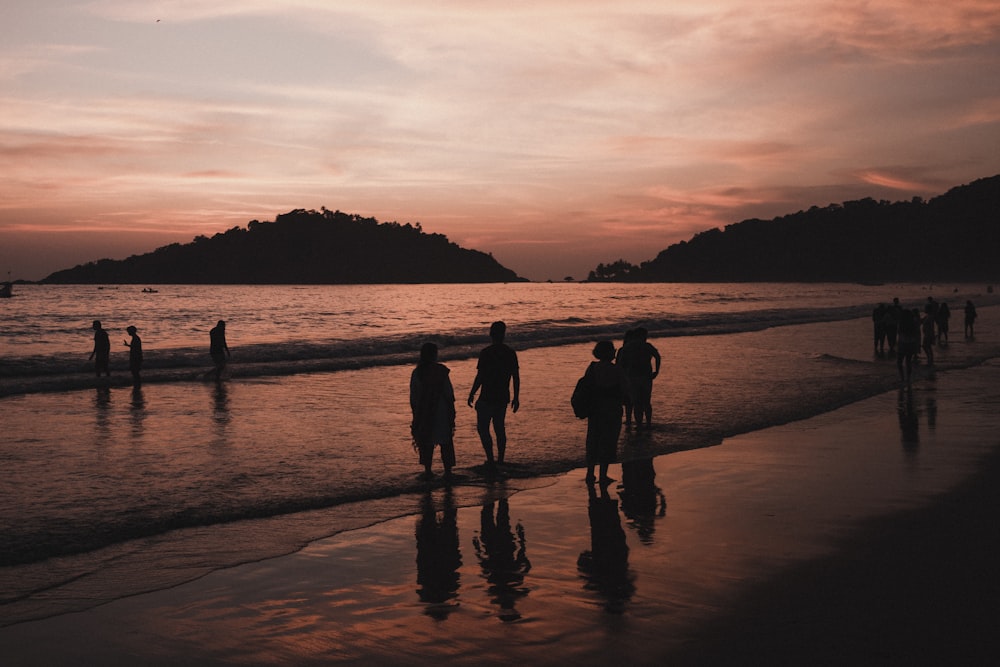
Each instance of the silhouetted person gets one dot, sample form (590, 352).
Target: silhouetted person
(927, 333)
(496, 371)
(605, 566)
(970, 320)
(218, 348)
(943, 323)
(642, 500)
(102, 350)
(629, 405)
(432, 401)
(438, 555)
(908, 343)
(134, 345)
(604, 424)
(892, 315)
(878, 328)
(931, 309)
(641, 363)
(503, 557)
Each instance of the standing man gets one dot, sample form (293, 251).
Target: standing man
(102, 350)
(218, 348)
(497, 367)
(641, 362)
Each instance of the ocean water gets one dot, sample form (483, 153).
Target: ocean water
(109, 490)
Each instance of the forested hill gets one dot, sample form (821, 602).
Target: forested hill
(301, 247)
(955, 236)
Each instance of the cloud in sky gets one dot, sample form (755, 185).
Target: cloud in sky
(553, 134)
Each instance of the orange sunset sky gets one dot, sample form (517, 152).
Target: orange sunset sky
(553, 134)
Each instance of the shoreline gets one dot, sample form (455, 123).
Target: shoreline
(776, 544)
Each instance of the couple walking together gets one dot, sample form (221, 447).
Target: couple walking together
(432, 400)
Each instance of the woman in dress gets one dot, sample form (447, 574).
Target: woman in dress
(604, 423)
(134, 354)
(432, 400)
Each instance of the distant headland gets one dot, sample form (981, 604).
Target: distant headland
(954, 237)
(301, 247)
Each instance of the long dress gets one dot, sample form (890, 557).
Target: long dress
(604, 425)
(432, 400)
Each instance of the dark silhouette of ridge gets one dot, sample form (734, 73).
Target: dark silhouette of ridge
(301, 247)
(955, 236)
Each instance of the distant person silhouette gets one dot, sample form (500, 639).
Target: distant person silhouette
(604, 566)
(943, 323)
(878, 328)
(604, 424)
(503, 557)
(908, 344)
(102, 350)
(218, 348)
(970, 320)
(432, 402)
(641, 363)
(134, 346)
(438, 555)
(496, 371)
(892, 315)
(927, 332)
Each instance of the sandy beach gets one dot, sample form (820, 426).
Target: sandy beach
(867, 535)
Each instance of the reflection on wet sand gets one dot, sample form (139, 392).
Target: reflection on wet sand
(502, 554)
(605, 567)
(642, 501)
(438, 554)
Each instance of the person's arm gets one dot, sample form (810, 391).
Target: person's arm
(476, 384)
(656, 357)
(515, 403)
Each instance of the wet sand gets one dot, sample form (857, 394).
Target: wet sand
(867, 535)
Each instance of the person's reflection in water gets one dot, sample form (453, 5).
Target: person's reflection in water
(931, 407)
(220, 404)
(137, 411)
(642, 501)
(438, 555)
(102, 411)
(605, 567)
(909, 422)
(503, 556)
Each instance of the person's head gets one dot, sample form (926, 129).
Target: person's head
(604, 350)
(497, 331)
(641, 333)
(131, 331)
(97, 324)
(428, 353)
(221, 324)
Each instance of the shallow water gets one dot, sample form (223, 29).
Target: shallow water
(94, 477)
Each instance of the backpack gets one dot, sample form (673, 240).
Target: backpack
(583, 397)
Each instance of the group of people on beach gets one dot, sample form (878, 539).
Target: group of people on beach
(618, 383)
(101, 354)
(907, 331)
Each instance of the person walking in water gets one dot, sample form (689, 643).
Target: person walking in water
(496, 372)
(604, 423)
(102, 350)
(218, 348)
(970, 320)
(641, 363)
(432, 402)
(134, 346)
(908, 343)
